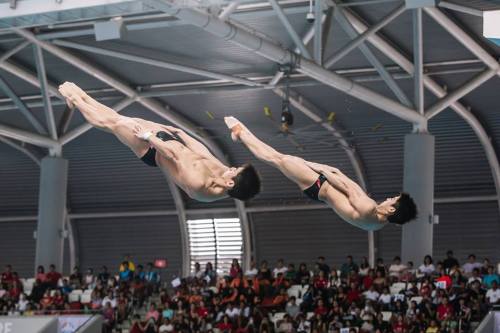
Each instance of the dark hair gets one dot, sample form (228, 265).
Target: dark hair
(406, 210)
(246, 184)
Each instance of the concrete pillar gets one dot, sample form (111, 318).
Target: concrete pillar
(51, 212)
(417, 236)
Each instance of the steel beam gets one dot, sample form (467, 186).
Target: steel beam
(461, 36)
(229, 10)
(31, 152)
(370, 56)
(276, 53)
(308, 36)
(181, 214)
(362, 37)
(418, 60)
(461, 9)
(289, 28)
(156, 63)
(28, 76)
(454, 96)
(28, 137)
(395, 55)
(22, 107)
(42, 78)
(14, 50)
(318, 32)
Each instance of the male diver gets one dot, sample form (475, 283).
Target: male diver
(185, 160)
(328, 184)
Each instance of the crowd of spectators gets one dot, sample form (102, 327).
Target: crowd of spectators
(400, 297)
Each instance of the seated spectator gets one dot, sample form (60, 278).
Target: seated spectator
(252, 271)
(286, 325)
(166, 326)
(396, 269)
(75, 279)
(433, 327)
(89, 279)
(103, 275)
(427, 268)
(490, 277)
(40, 274)
(66, 288)
(108, 317)
(292, 309)
(303, 275)
(322, 265)
(380, 267)
(364, 267)
(22, 303)
(126, 274)
(470, 265)
(371, 294)
(197, 273)
(385, 299)
(235, 269)
(7, 277)
(225, 325)
(335, 280)
(449, 262)
(280, 268)
(109, 298)
(153, 313)
(291, 273)
(493, 294)
(210, 274)
(53, 277)
(380, 282)
(96, 301)
(474, 276)
(484, 267)
(320, 281)
(444, 309)
(347, 267)
(151, 276)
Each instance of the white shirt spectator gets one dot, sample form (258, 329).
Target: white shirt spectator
(371, 295)
(493, 295)
(233, 313)
(166, 328)
(251, 273)
(396, 270)
(469, 267)
(385, 298)
(472, 279)
(427, 269)
(277, 270)
(111, 300)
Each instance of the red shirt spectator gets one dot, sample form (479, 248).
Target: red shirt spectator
(444, 310)
(7, 277)
(52, 276)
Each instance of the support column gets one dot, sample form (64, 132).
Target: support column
(418, 181)
(51, 212)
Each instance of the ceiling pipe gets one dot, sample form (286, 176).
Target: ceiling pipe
(276, 53)
(401, 60)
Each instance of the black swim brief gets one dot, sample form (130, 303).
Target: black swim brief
(313, 191)
(150, 157)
